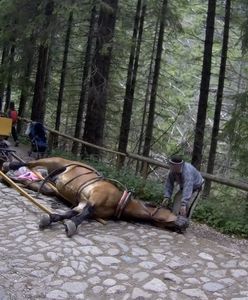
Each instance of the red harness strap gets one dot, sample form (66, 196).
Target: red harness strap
(126, 196)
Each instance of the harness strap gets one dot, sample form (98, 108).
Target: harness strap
(126, 196)
(63, 169)
(69, 181)
(87, 183)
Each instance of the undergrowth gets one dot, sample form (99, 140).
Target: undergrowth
(225, 210)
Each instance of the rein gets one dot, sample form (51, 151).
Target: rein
(155, 211)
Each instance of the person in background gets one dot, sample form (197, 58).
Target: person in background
(190, 183)
(12, 114)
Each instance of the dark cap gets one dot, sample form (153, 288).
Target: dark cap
(176, 160)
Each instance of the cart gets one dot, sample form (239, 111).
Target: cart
(5, 132)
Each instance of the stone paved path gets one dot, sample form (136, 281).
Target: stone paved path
(117, 261)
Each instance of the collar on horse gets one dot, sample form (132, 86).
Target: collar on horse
(126, 196)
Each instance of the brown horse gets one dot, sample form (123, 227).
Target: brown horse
(95, 197)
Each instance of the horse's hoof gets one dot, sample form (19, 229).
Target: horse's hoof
(70, 227)
(45, 221)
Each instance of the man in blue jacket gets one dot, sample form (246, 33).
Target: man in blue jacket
(190, 182)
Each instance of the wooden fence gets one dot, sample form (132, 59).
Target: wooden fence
(229, 182)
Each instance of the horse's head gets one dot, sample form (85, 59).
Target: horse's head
(164, 218)
(181, 224)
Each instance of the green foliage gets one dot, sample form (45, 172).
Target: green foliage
(236, 129)
(225, 210)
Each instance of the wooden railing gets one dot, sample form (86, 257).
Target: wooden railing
(229, 182)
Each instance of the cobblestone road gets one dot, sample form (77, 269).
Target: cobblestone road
(119, 260)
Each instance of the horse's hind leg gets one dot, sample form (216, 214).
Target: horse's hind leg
(72, 224)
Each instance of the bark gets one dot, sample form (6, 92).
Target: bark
(63, 76)
(204, 89)
(148, 91)
(38, 105)
(85, 79)
(97, 99)
(131, 80)
(25, 89)
(10, 77)
(218, 104)
(152, 104)
(2, 79)
(48, 73)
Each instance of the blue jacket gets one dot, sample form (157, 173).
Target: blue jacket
(189, 180)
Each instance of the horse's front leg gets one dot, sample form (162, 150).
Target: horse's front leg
(48, 219)
(83, 214)
(72, 218)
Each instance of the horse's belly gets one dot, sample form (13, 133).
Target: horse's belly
(103, 212)
(68, 192)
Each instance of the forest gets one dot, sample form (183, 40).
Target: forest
(152, 78)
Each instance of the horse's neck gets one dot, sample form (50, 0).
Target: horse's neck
(136, 209)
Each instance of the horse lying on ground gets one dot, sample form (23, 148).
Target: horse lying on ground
(94, 197)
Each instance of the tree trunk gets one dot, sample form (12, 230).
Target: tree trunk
(38, 105)
(10, 77)
(85, 80)
(62, 77)
(204, 90)
(2, 77)
(131, 81)
(148, 91)
(38, 108)
(149, 128)
(218, 105)
(97, 99)
(25, 88)
(48, 68)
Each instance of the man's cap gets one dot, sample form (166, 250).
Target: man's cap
(176, 160)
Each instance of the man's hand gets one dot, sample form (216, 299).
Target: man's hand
(183, 211)
(165, 202)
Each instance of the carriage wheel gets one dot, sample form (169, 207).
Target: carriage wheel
(70, 228)
(45, 221)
